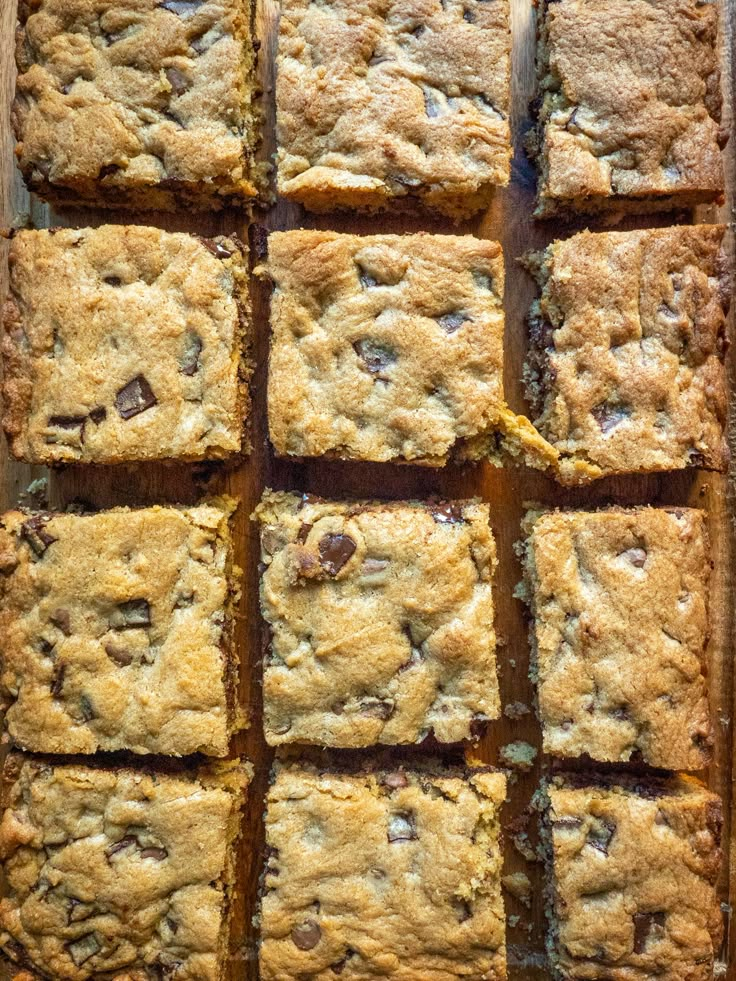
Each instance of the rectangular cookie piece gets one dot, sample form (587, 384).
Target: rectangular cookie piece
(383, 873)
(117, 630)
(118, 872)
(140, 105)
(381, 620)
(632, 868)
(629, 106)
(626, 368)
(124, 343)
(620, 605)
(389, 348)
(382, 104)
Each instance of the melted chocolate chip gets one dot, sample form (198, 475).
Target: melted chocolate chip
(135, 397)
(377, 707)
(648, 927)
(177, 80)
(119, 654)
(334, 552)
(112, 280)
(600, 835)
(86, 708)
(62, 619)
(449, 513)
(609, 415)
(402, 827)
(131, 614)
(306, 935)
(182, 8)
(450, 322)
(303, 532)
(377, 358)
(82, 949)
(98, 415)
(57, 685)
(109, 169)
(217, 248)
(126, 842)
(366, 280)
(189, 361)
(159, 854)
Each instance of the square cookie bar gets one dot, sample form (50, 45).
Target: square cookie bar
(629, 106)
(383, 873)
(381, 620)
(118, 873)
(632, 872)
(626, 364)
(116, 630)
(619, 599)
(379, 103)
(124, 343)
(141, 105)
(390, 348)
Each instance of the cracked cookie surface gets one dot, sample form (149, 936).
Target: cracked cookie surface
(140, 103)
(634, 867)
(386, 873)
(382, 101)
(381, 620)
(124, 343)
(117, 630)
(118, 874)
(630, 106)
(620, 629)
(626, 367)
(389, 347)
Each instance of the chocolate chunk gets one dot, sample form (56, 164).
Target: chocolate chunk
(109, 169)
(303, 532)
(98, 415)
(334, 552)
(78, 911)
(600, 835)
(189, 361)
(608, 415)
(118, 846)
(112, 280)
(377, 707)
(135, 397)
(339, 966)
(450, 322)
(177, 80)
(636, 556)
(482, 280)
(131, 614)
(217, 248)
(62, 619)
(376, 357)
(57, 684)
(118, 654)
(158, 853)
(82, 949)
(395, 780)
(567, 824)
(449, 513)
(306, 935)
(469, 16)
(402, 827)
(69, 423)
(182, 8)
(648, 928)
(366, 280)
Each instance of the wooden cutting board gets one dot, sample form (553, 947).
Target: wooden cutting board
(508, 491)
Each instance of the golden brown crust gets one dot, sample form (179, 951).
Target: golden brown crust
(141, 103)
(117, 630)
(390, 874)
(635, 866)
(383, 101)
(117, 874)
(620, 603)
(124, 343)
(381, 619)
(626, 369)
(630, 107)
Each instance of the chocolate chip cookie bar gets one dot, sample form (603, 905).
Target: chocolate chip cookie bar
(116, 630)
(619, 637)
(390, 348)
(144, 104)
(124, 343)
(632, 873)
(384, 104)
(381, 620)
(626, 363)
(383, 873)
(118, 873)
(629, 106)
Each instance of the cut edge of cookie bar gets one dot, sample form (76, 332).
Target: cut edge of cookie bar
(18, 382)
(111, 188)
(539, 377)
(231, 777)
(528, 591)
(31, 526)
(272, 514)
(615, 206)
(648, 787)
(375, 779)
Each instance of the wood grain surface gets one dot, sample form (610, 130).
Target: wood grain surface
(508, 491)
